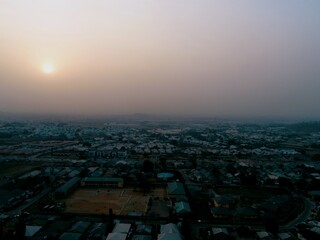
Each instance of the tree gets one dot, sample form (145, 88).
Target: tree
(147, 166)
(248, 179)
(1, 230)
(316, 157)
(231, 168)
(272, 224)
(143, 183)
(285, 182)
(21, 228)
(194, 162)
(163, 163)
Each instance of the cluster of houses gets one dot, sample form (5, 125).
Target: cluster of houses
(225, 207)
(128, 140)
(88, 228)
(188, 163)
(177, 194)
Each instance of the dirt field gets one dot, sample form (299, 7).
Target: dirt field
(98, 201)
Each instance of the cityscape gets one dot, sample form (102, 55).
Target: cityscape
(159, 120)
(142, 178)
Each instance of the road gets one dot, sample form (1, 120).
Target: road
(303, 216)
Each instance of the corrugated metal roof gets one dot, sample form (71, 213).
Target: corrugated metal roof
(176, 188)
(122, 228)
(102, 179)
(71, 183)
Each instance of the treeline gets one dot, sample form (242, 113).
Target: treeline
(305, 126)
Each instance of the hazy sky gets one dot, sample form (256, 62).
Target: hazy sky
(217, 58)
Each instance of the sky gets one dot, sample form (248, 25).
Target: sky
(233, 58)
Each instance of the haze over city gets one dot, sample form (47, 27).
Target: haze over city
(212, 58)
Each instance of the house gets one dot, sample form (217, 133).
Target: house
(98, 231)
(169, 231)
(80, 227)
(220, 234)
(73, 173)
(141, 237)
(67, 188)
(54, 229)
(32, 230)
(182, 208)
(102, 182)
(170, 228)
(315, 195)
(316, 230)
(143, 229)
(246, 213)
(194, 189)
(169, 236)
(116, 236)
(221, 212)
(70, 236)
(121, 228)
(264, 235)
(31, 174)
(285, 236)
(245, 233)
(274, 204)
(175, 189)
(76, 231)
(225, 201)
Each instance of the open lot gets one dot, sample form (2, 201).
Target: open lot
(122, 201)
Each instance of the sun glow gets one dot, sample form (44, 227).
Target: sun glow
(48, 68)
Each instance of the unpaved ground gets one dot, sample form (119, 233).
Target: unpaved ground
(98, 201)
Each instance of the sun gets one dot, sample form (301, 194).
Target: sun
(48, 68)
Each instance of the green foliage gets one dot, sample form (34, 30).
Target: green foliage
(147, 166)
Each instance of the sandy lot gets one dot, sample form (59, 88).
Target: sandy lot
(98, 201)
